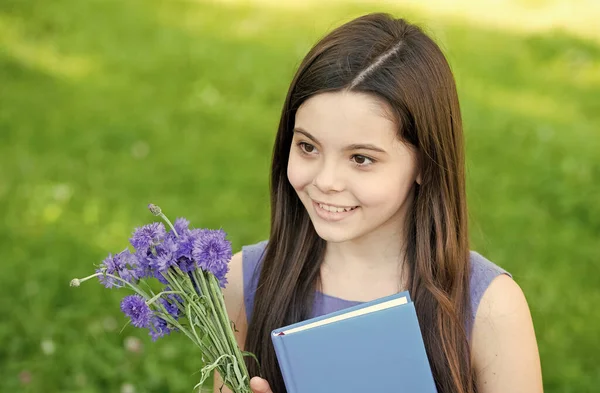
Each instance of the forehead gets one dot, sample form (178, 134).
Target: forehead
(347, 117)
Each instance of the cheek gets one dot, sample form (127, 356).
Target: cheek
(384, 190)
(298, 172)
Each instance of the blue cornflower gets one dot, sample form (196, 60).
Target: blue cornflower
(147, 236)
(143, 268)
(185, 247)
(185, 242)
(137, 310)
(124, 265)
(159, 328)
(212, 252)
(171, 307)
(181, 226)
(220, 272)
(163, 257)
(186, 265)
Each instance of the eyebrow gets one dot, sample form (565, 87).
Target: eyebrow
(354, 146)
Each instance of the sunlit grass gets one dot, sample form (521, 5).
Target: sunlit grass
(579, 17)
(42, 54)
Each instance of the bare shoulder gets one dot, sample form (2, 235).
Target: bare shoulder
(504, 348)
(233, 294)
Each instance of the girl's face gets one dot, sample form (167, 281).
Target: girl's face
(348, 167)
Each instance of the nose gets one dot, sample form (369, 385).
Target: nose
(329, 178)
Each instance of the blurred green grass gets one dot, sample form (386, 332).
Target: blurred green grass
(106, 106)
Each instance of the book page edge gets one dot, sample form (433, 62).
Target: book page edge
(352, 314)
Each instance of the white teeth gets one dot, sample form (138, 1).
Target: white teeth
(335, 209)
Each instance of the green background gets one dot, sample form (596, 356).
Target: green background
(106, 106)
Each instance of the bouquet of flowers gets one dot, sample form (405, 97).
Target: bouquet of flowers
(190, 265)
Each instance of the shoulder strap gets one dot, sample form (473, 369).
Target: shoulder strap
(483, 272)
(252, 256)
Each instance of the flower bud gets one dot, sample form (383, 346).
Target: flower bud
(154, 209)
(75, 282)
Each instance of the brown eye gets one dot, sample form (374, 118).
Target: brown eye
(307, 147)
(362, 160)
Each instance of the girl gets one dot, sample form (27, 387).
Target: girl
(368, 199)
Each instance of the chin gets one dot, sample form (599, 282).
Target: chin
(331, 238)
(334, 235)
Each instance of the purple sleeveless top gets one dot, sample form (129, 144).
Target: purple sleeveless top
(482, 274)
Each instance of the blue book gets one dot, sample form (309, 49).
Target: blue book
(371, 347)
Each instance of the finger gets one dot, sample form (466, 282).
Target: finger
(259, 385)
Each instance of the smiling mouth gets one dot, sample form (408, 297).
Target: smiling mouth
(335, 209)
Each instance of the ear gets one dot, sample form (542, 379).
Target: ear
(419, 179)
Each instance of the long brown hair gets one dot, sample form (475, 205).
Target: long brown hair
(398, 62)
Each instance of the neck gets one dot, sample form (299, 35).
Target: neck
(360, 255)
(364, 268)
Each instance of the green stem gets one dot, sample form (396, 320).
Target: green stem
(149, 302)
(77, 281)
(218, 296)
(162, 215)
(204, 293)
(213, 290)
(208, 325)
(176, 323)
(199, 276)
(241, 382)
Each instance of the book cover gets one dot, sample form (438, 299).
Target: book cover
(371, 347)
